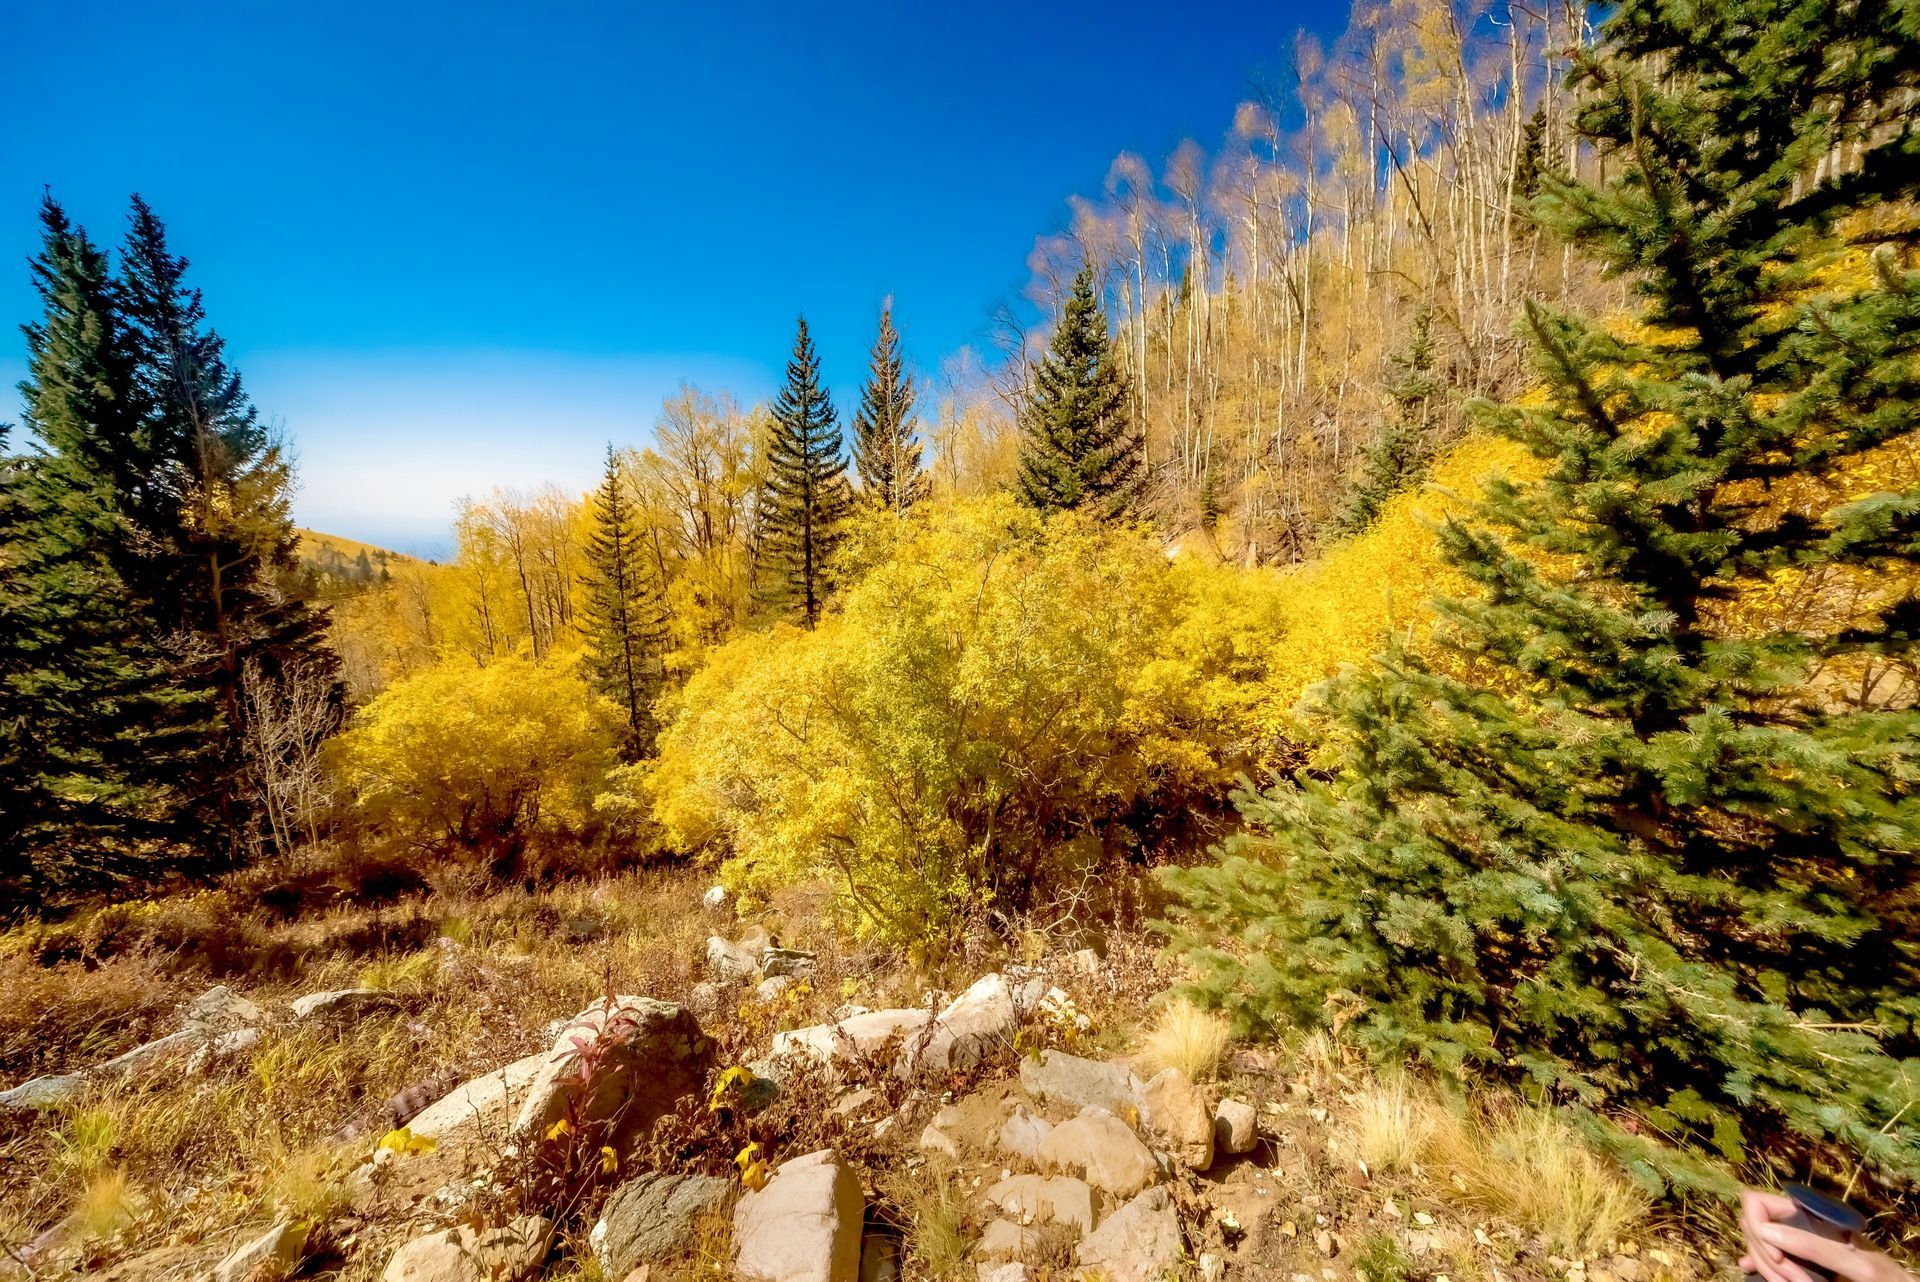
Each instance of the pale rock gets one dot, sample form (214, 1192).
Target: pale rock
(1140, 1242)
(1235, 1126)
(1081, 1083)
(1085, 962)
(857, 1035)
(1046, 1199)
(965, 1029)
(343, 1004)
(1011, 1271)
(787, 961)
(728, 962)
(221, 1007)
(804, 1226)
(652, 1216)
(42, 1092)
(935, 1139)
(481, 1103)
(708, 1000)
(768, 990)
(1023, 1134)
(223, 1046)
(1212, 1267)
(461, 1254)
(1176, 1110)
(1005, 1240)
(756, 939)
(154, 1052)
(855, 1101)
(715, 898)
(1103, 1150)
(272, 1255)
(650, 1054)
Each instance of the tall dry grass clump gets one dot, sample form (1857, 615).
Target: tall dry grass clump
(1187, 1038)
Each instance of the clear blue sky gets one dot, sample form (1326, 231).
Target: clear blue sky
(458, 245)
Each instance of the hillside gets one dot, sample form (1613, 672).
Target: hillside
(337, 567)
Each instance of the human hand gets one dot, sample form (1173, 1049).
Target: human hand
(1779, 1252)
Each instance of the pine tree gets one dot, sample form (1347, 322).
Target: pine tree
(807, 497)
(885, 453)
(1532, 160)
(1399, 459)
(1079, 446)
(221, 523)
(625, 613)
(19, 779)
(105, 752)
(1628, 835)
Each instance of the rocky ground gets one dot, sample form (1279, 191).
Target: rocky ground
(1005, 1133)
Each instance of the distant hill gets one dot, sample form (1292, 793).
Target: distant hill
(334, 567)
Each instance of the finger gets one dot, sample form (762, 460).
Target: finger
(1773, 1267)
(1836, 1257)
(1752, 1220)
(1768, 1206)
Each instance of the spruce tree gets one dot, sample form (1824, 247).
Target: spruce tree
(1631, 834)
(1399, 459)
(221, 525)
(1079, 447)
(807, 498)
(625, 613)
(106, 750)
(885, 454)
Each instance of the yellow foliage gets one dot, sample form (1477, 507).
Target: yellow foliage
(405, 1143)
(478, 757)
(992, 693)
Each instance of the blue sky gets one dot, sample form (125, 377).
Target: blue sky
(453, 246)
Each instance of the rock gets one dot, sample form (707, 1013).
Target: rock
(1011, 1271)
(221, 1007)
(1005, 1240)
(768, 990)
(755, 939)
(1085, 962)
(650, 1054)
(708, 1000)
(1140, 1242)
(964, 1031)
(786, 961)
(481, 1103)
(153, 1052)
(857, 1035)
(1046, 1199)
(1023, 1134)
(934, 1139)
(343, 1004)
(274, 1254)
(1103, 1150)
(804, 1226)
(1081, 1083)
(1235, 1127)
(223, 1046)
(715, 898)
(462, 1255)
(42, 1092)
(853, 1102)
(651, 1216)
(728, 962)
(1176, 1110)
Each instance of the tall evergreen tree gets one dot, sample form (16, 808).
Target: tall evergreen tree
(625, 613)
(1079, 447)
(885, 453)
(105, 750)
(807, 497)
(1634, 837)
(221, 523)
(1399, 459)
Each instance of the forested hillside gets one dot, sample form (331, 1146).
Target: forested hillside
(1408, 642)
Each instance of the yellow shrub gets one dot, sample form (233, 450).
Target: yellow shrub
(480, 758)
(993, 698)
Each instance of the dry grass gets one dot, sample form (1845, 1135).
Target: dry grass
(1523, 1163)
(935, 1211)
(1187, 1038)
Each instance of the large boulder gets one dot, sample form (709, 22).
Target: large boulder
(787, 961)
(1140, 1242)
(645, 1055)
(856, 1036)
(1177, 1111)
(1103, 1150)
(479, 1104)
(1023, 1134)
(1060, 1078)
(728, 962)
(804, 1226)
(652, 1216)
(344, 1004)
(1047, 1199)
(461, 1254)
(267, 1258)
(965, 1029)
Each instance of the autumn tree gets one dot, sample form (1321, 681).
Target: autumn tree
(1079, 444)
(625, 617)
(1625, 835)
(807, 496)
(886, 454)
